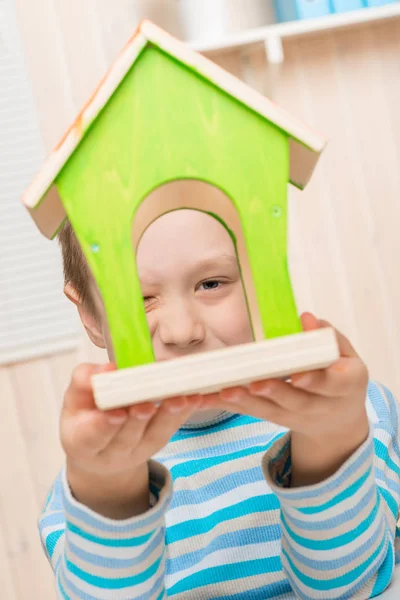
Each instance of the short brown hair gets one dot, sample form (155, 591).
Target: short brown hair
(76, 269)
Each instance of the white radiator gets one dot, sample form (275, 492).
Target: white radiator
(35, 318)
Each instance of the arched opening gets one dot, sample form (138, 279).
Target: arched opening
(198, 195)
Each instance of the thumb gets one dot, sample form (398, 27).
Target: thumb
(79, 395)
(309, 322)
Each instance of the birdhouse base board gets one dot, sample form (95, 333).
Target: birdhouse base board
(210, 372)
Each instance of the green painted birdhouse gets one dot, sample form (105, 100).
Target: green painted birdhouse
(163, 114)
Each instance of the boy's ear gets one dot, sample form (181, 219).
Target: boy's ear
(89, 321)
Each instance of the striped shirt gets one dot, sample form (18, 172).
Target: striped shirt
(232, 528)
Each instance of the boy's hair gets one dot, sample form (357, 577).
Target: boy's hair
(76, 269)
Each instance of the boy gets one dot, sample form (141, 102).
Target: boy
(286, 490)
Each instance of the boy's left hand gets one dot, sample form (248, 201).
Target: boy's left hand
(324, 409)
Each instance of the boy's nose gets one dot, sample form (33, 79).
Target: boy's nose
(181, 328)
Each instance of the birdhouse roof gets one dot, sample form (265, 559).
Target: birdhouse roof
(305, 144)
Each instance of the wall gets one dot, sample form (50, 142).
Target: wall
(344, 227)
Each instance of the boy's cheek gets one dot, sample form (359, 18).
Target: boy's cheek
(230, 321)
(227, 323)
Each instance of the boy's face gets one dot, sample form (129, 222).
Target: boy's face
(191, 287)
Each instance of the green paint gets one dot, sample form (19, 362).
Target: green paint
(164, 123)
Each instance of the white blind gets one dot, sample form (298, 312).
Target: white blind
(35, 318)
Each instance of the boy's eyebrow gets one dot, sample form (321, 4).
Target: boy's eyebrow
(210, 262)
(216, 261)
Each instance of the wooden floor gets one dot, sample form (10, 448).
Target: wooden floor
(345, 242)
(30, 458)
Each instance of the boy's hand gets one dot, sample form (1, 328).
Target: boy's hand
(325, 410)
(108, 452)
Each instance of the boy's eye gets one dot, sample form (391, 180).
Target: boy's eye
(210, 284)
(148, 300)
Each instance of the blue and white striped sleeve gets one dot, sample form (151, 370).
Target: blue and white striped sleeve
(339, 538)
(102, 559)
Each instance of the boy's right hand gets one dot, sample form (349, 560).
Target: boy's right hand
(108, 452)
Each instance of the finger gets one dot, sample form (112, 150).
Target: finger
(131, 433)
(309, 321)
(345, 347)
(79, 395)
(323, 382)
(144, 411)
(171, 415)
(335, 381)
(139, 416)
(281, 393)
(207, 401)
(241, 401)
(91, 431)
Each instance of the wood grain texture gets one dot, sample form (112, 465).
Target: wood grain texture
(210, 372)
(353, 199)
(305, 144)
(38, 421)
(19, 503)
(139, 144)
